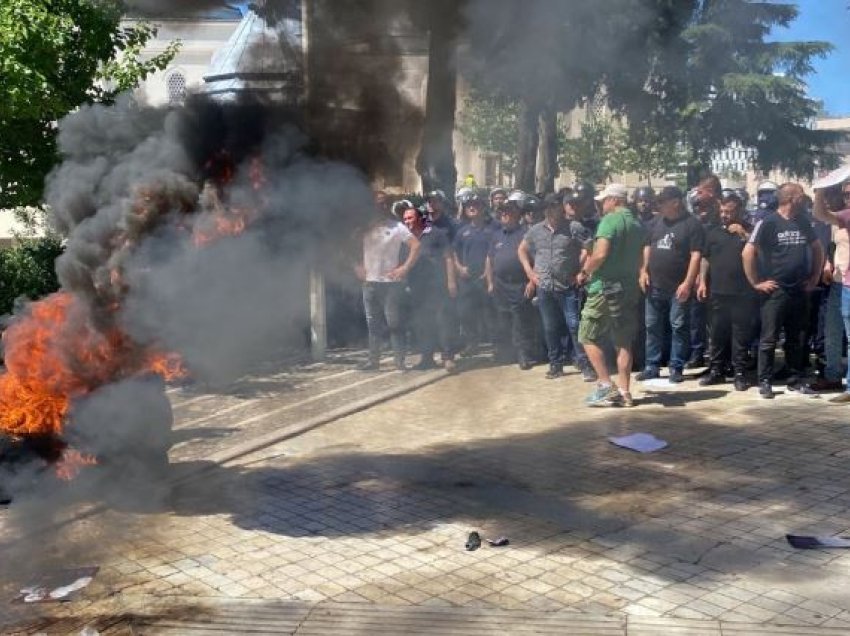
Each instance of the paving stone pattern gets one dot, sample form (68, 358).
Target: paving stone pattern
(373, 510)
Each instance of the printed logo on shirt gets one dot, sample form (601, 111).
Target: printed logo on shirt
(790, 237)
(666, 242)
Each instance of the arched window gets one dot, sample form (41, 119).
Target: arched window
(176, 85)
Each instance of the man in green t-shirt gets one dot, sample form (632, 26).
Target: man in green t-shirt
(611, 275)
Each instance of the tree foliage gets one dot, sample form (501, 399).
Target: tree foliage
(490, 125)
(27, 270)
(704, 70)
(55, 56)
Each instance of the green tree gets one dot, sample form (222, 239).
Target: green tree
(55, 56)
(595, 154)
(729, 83)
(649, 153)
(491, 125)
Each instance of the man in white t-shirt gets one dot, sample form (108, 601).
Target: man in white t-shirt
(382, 276)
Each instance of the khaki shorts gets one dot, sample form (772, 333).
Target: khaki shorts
(610, 315)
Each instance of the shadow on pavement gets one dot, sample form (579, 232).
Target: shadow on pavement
(568, 478)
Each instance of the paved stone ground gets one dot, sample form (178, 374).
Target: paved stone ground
(372, 510)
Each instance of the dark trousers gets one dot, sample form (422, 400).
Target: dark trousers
(699, 331)
(382, 304)
(732, 319)
(433, 320)
(781, 309)
(515, 337)
(639, 342)
(476, 311)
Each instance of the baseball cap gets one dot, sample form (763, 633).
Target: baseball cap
(616, 190)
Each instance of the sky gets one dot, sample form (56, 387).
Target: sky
(826, 20)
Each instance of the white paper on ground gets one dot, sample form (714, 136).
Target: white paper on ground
(640, 442)
(65, 590)
(833, 178)
(658, 382)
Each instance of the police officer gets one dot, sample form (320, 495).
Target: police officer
(644, 203)
(471, 245)
(511, 290)
(581, 206)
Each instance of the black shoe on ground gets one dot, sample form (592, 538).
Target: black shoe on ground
(741, 383)
(676, 376)
(525, 365)
(697, 362)
(765, 390)
(712, 378)
(369, 365)
(823, 385)
(554, 372)
(647, 374)
(425, 364)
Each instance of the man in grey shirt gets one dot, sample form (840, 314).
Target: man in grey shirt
(552, 254)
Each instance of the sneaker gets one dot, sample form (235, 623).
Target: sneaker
(711, 379)
(765, 390)
(554, 372)
(647, 374)
(741, 383)
(676, 376)
(525, 365)
(450, 366)
(627, 400)
(604, 396)
(822, 385)
(844, 398)
(588, 374)
(369, 365)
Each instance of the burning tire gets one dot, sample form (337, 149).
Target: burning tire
(127, 426)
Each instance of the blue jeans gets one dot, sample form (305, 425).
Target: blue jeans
(560, 311)
(382, 304)
(833, 339)
(845, 316)
(662, 308)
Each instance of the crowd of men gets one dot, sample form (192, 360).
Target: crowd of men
(613, 283)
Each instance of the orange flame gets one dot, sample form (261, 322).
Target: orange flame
(54, 355)
(71, 463)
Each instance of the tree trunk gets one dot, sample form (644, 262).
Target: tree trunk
(436, 162)
(548, 168)
(527, 141)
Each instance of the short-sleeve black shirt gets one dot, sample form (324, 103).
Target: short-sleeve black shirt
(429, 270)
(471, 245)
(725, 266)
(670, 246)
(783, 249)
(504, 258)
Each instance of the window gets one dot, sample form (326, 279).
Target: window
(176, 85)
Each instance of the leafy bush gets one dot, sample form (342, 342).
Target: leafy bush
(28, 270)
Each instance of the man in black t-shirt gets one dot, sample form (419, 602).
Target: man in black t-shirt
(670, 267)
(732, 299)
(511, 290)
(783, 261)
